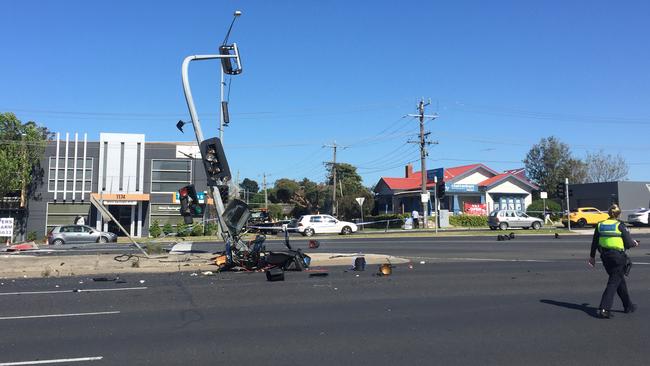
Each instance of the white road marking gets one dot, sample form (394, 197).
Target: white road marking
(57, 315)
(69, 291)
(61, 360)
(496, 260)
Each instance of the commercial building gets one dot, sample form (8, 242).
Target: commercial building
(472, 189)
(628, 195)
(137, 180)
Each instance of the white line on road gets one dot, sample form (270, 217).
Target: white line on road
(61, 360)
(68, 291)
(57, 316)
(495, 260)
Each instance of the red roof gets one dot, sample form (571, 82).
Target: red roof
(453, 172)
(403, 183)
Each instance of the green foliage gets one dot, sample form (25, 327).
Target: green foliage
(154, 229)
(468, 221)
(182, 229)
(275, 211)
(32, 236)
(210, 228)
(197, 230)
(167, 229)
(550, 162)
(249, 185)
(551, 206)
(20, 154)
(154, 248)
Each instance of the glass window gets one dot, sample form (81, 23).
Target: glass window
(167, 176)
(315, 219)
(70, 173)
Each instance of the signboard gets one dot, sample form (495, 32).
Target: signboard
(121, 203)
(439, 173)
(455, 187)
(543, 195)
(200, 195)
(424, 197)
(475, 209)
(7, 226)
(360, 200)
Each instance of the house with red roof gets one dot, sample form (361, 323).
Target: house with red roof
(472, 189)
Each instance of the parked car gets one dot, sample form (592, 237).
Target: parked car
(69, 234)
(309, 225)
(639, 217)
(504, 219)
(583, 216)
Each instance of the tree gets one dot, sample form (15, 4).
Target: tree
(21, 149)
(250, 185)
(284, 190)
(602, 167)
(550, 162)
(349, 187)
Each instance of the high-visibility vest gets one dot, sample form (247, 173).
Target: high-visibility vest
(610, 237)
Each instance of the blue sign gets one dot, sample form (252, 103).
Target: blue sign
(455, 187)
(439, 172)
(199, 195)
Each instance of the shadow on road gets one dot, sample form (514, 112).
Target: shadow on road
(589, 310)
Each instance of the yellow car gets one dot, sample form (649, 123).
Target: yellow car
(580, 217)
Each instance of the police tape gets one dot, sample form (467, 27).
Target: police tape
(281, 228)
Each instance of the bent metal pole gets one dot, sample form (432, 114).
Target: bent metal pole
(216, 197)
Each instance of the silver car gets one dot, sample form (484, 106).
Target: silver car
(69, 234)
(639, 217)
(504, 219)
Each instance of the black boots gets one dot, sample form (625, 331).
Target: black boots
(604, 314)
(630, 309)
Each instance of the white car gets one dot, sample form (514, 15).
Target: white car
(309, 225)
(639, 217)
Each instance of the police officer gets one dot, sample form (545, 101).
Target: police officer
(611, 238)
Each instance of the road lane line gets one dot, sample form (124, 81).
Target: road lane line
(496, 260)
(57, 315)
(69, 291)
(60, 360)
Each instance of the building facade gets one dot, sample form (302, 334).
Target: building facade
(473, 189)
(137, 181)
(628, 195)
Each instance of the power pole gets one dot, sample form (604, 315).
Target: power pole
(266, 197)
(423, 155)
(334, 146)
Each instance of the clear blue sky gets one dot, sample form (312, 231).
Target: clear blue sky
(501, 75)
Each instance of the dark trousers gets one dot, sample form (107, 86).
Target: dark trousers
(614, 263)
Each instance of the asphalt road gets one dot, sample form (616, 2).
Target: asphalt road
(466, 301)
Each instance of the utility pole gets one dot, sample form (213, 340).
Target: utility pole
(266, 197)
(423, 155)
(334, 146)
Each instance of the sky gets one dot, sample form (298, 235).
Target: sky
(500, 75)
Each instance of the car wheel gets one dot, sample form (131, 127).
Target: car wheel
(102, 239)
(57, 242)
(536, 225)
(346, 230)
(582, 223)
(503, 226)
(309, 232)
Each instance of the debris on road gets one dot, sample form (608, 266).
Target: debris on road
(359, 264)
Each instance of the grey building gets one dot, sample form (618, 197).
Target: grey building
(137, 180)
(628, 195)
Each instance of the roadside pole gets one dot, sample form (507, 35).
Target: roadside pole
(568, 210)
(435, 200)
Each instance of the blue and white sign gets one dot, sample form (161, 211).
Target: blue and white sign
(199, 195)
(438, 172)
(455, 187)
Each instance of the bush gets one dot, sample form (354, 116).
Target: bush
(168, 229)
(182, 229)
(537, 207)
(468, 221)
(32, 236)
(154, 229)
(211, 228)
(197, 230)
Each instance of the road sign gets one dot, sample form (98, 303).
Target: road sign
(7, 226)
(543, 195)
(424, 197)
(360, 200)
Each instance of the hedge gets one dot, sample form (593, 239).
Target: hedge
(397, 220)
(468, 221)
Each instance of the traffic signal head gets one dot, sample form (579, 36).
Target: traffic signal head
(214, 162)
(440, 189)
(560, 190)
(189, 203)
(227, 62)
